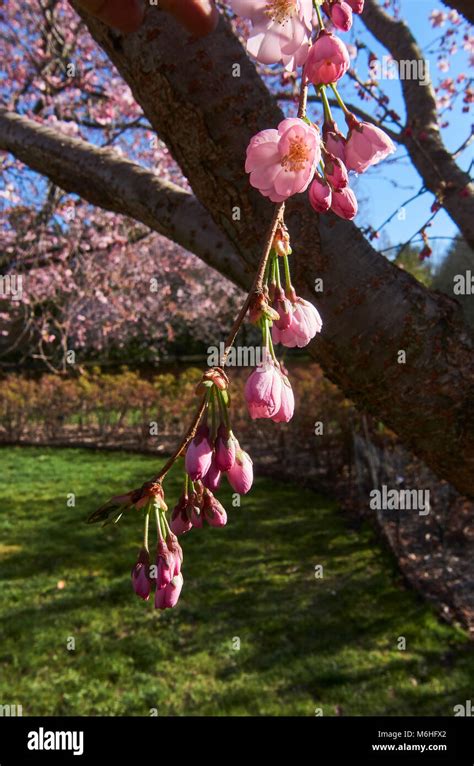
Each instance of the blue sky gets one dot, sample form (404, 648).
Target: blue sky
(379, 196)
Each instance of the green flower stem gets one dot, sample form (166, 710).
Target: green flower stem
(145, 533)
(213, 413)
(326, 106)
(265, 333)
(158, 523)
(318, 12)
(339, 99)
(287, 272)
(224, 409)
(272, 350)
(277, 272)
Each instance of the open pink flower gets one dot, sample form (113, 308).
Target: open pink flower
(199, 454)
(241, 474)
(320, 195)
(344, 203)
(328, 59)
(305, 323)
(281, 29)
(282, 162)
(287, 407)
(367, 145)
(263, 391)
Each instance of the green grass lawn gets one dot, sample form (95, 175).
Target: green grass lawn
(305, 643)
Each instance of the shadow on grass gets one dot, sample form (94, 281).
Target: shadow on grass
(255, 632)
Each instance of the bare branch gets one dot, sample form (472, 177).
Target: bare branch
(438, 169)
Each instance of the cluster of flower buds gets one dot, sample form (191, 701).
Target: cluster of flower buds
(283, 318)
(284, 161)
(213, 452)
(165, 573)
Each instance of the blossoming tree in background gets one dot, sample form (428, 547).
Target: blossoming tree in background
(217, 117)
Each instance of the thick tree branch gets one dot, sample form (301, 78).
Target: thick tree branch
(371, 309)
(423, 141)
(104, 178)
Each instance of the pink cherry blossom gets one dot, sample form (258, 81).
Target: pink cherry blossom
(341, 15)
(199, 454)
(281, 29)
(328, 59)
(282, 162)
(167, 597)
(212, 479)
(224, 449)
(263, 391)
(367, 145)
(336, 172)
(287, 408)
(240, 476)
(305, 324)
(282, 305)
(213, 511)
(356, 5)
(319, 196)
(140, 575)
(335, 141)
(180, 522)
(344, 203)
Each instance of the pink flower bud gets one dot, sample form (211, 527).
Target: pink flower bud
(367, 145)
(283, 306)
(263, 391)
(167, 597)
(336, 172)
(193, 510)
(240, 476)
(225, 448)
(176, 551)
(180, 522)
(335, 142)
(341, 16)
(141, 575)
(356, 5)
(212, 478)
(214, 512)
(287, 408)
(320, 195)
(165, 564)
(344, 203)
(199, 454)
(328, 59)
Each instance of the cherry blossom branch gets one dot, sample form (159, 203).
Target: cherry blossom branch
(256, 289)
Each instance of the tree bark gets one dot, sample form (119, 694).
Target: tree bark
(371, 309)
